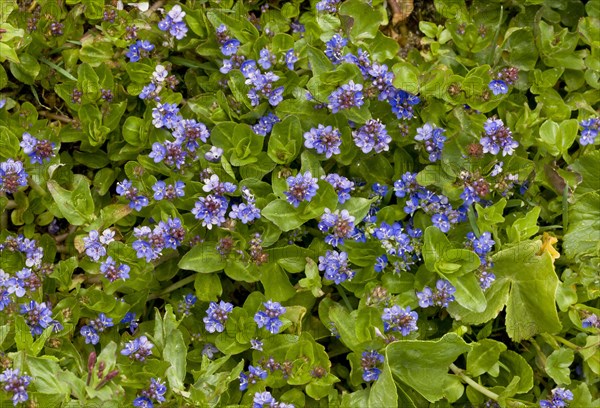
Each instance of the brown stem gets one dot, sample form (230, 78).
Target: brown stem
(60, 238)
(154, 7)
(54, 116)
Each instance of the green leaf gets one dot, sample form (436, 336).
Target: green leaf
(484, 355)
(383, 393)
(423, 365)
(525, 226)
(44, 373)
(208, 287)
(581, 239)
(282, 214)
(276, 283)
(26, 70)
(285, 141)
(557, 365)
(175, 352)
(364, 20)
(203, 258)
(531, 304)
(77, 206)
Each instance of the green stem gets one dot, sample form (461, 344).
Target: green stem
(495, 42)
(567, 343)
(173, 287)
(480, 388)
(35, 186)
(342, 293)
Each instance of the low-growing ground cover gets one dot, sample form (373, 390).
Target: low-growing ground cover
(323, 204)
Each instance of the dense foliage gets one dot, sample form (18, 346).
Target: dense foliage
(328, 204)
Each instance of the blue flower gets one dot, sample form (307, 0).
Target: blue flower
(400, 320)
(265, 124)
(15, 384)
(290, 59)
(345, 97)
(150, 91)
(12, 176)
(214, 184)
(269, 318)
(246, 213)
(136, 201)
(90, 334)
(95, 245)
(155, 391)
(335, 265)
(255, 374)
(143, 402)
(498, 87)
(440, 221)
(256, 344)
(38, 316)
(433, 139)
(590, 131)
(112, 271)
(406, 185)
(341, 185)
(324, 139)
(5, 300)
(402, 103)
(214, 154)
(169, 152)
(138, 349)
(382, 80)
(230, 47)
(91, 331)
(369, 361)
(266, 59)
(302, 187)
(381, 263)
(441, 297)
(187, 132)
(341, 223)
(372, 136)
(173, 22)
(139, 49)
(166, 115)
(559, 399)
(591, 321)
(334, 48)
(211, 210)
(130, 320)
(37, 150)
(216, 316)
(170, 192)
(498, 137)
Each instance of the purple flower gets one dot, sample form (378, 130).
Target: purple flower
(136, 201)
(169, 192)
(559, 399)
(341, 185)
(265, 124)
(173, 22)
(334, 48)
(166, 115)
(591, 321)
(269, 318)
(138, 349)
(187, 132)
(37, 150)
(372, 136)
(441, 297)
(15, 384)
(214, 154)
(290, 59)
(216, 316)
(38, 316)
(335, 265)
(266, 59)
(590, 131)
(211, 210)
(246, 213)
(12, 176)
(324, 139)
(433, 139)
(345, 97)
(402, 103)
(112, 271)
(406, 185)
(301, 188)
(341, 223)
(400, 320)
(214, 184)
(382, 80)
(498, 137)
(498, 87)
(230, 47)
(369, 361)
(254, 374)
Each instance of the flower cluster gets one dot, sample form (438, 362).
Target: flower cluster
(341, 185)
(245, 212)
(254, 374)
(345, 97)
(265, 124)
(433, 139)
(398, 242)
(16, 384)
(341, 224)
(324, 139)
(507, 76)
(154, 393)
(497, 137)
(559, 399)
(269, 317)
(302, 187)
(262, 399)
(372, 136)
(91, 331)
(39, 317)
(186, 305)
(151, 242)
(162, 191)
(401, 320)
(138, 349)
(335, 265)
(591, 321)
(173, 22)
(369, 362)
(138, 50)
(136, 201)
(12, 176)
(216, 316)
(37, 150)
(590, 131)
(482, 247)
(442, 295)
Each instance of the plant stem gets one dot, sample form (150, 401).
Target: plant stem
(342, 293)
(35, 186)
(480, 388)
(567, 343)
(54, 116)
(173, 287)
